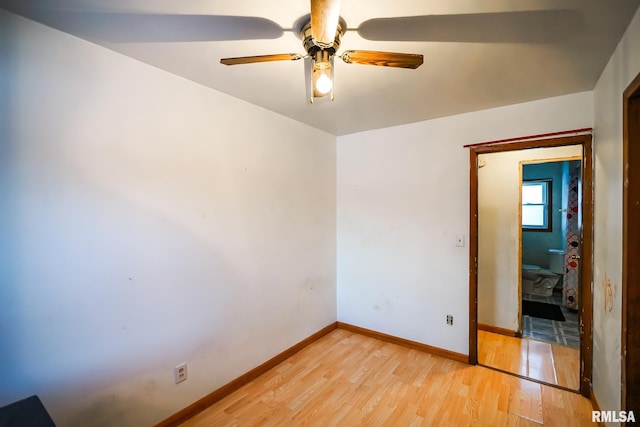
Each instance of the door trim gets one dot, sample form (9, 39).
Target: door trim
(586, 306)
(630, 372)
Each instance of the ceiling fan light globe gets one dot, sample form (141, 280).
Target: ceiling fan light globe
(324, 84)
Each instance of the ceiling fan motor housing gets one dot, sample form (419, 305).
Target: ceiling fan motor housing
(311, 46)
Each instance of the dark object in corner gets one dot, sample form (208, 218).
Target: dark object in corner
(29, 412)
(542, 310)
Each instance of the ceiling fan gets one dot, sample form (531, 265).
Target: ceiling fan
(321, 32)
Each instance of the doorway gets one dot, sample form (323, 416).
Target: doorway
(631, 249)
(550, 223)
(505, 276)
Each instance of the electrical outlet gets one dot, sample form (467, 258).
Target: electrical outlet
(449, 319)
(180, 372)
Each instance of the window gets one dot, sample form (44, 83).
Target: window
(536, 205)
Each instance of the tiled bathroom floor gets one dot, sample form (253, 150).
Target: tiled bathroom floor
(566, 333)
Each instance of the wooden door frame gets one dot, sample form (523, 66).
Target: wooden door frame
(630, 373)
(586, 304)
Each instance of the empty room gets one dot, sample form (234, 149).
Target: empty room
(319, 213)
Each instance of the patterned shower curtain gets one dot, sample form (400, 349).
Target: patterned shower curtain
(570, 286)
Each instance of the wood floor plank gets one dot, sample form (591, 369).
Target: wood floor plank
(566, 409)
(346, 379)
(567, 362)
(543, 361)
(526, 400)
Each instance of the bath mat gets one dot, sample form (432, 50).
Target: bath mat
(542, 310)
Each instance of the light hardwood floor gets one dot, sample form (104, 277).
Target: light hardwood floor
(544, 361)
(347, 379)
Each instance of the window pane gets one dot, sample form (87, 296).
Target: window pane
(533, 216)
(532, 193)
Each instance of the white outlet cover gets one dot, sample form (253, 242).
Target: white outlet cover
(180, 372)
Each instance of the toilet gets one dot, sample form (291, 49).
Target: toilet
(556, 261)
(540, 281)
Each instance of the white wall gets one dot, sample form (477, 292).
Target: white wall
(622, 68)
(499, 231)
(403, 196)
(145, 221)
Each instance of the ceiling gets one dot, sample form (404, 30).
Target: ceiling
(498, 52)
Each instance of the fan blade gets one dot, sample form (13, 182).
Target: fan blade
(261, 58)
(386, 59)
(538, 26)
(324, 21)
(149, 28)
